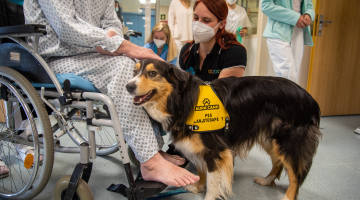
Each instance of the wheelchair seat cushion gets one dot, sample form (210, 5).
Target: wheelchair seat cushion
(77, 83)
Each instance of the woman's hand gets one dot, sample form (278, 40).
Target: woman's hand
(307, 19)
(303, 21)
(242, 33)
(300, 23)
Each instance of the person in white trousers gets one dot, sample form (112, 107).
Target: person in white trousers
(286, 57)
(286, 32)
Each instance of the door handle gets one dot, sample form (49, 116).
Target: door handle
(321, 24)
(326, 22)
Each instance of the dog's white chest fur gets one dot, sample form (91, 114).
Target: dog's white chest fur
(156, 114)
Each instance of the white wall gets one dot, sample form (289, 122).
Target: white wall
(164, 10)
(250, 43)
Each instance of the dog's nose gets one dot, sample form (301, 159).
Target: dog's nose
(130, 87)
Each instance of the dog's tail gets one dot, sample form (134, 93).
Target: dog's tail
(305, 139)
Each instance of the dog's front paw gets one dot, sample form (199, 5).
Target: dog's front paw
(264, 181)
(285, 198)
(194, 189)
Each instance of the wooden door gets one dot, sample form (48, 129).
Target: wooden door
(334, 73)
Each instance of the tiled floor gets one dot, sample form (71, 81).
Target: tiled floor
(335, 173)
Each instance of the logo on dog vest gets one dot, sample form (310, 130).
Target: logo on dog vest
(209, 114)
(206, 106)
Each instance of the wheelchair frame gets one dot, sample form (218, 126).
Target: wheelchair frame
(64, 99)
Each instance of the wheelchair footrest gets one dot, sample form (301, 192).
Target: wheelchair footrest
(145, 189)
(142, 190)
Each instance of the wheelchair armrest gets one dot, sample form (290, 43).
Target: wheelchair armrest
(22, 30)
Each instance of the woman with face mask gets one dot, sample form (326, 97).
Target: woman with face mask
(214, 53)
(118, 11)
(161, 42)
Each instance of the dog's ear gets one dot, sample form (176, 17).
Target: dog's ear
(178, 77)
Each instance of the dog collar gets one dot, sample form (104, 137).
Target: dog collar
(208, 114)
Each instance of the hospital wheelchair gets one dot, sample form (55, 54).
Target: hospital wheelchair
(31, 94)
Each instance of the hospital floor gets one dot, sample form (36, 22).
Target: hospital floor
(335, 173)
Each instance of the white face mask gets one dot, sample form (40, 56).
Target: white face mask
(231, 2)
(117, 9)
(202, 32)
(159, 43)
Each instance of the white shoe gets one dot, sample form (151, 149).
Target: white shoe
(4, 170)
(24, 150)
(357, 130)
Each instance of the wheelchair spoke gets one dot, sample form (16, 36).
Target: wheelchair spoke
(108, 137)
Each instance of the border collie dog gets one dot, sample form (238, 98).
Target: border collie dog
(273, 112)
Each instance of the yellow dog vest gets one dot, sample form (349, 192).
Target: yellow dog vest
(208, 114)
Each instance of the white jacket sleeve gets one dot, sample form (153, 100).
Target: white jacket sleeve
(71, 29)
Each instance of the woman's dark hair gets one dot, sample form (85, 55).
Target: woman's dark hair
(223, 38)
(118, 13)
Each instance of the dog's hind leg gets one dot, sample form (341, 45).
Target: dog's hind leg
(280, 162)
(293, 189)
(220, 176)
(277, 166)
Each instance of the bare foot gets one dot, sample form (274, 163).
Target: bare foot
(174, 159)
(160, 170)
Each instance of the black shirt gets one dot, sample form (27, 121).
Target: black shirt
(217, 60)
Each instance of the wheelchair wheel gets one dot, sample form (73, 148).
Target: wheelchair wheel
(82, 192)
(105, 137)
(25, 122)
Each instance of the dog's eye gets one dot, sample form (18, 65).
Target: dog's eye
(152, 73)
(135, 71)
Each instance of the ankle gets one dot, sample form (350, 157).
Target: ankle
(152, 162)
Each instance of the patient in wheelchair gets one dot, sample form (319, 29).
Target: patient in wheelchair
(85, 38)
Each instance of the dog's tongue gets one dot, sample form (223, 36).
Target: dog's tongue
(137, 98)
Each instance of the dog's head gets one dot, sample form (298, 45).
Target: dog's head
(155, 81)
